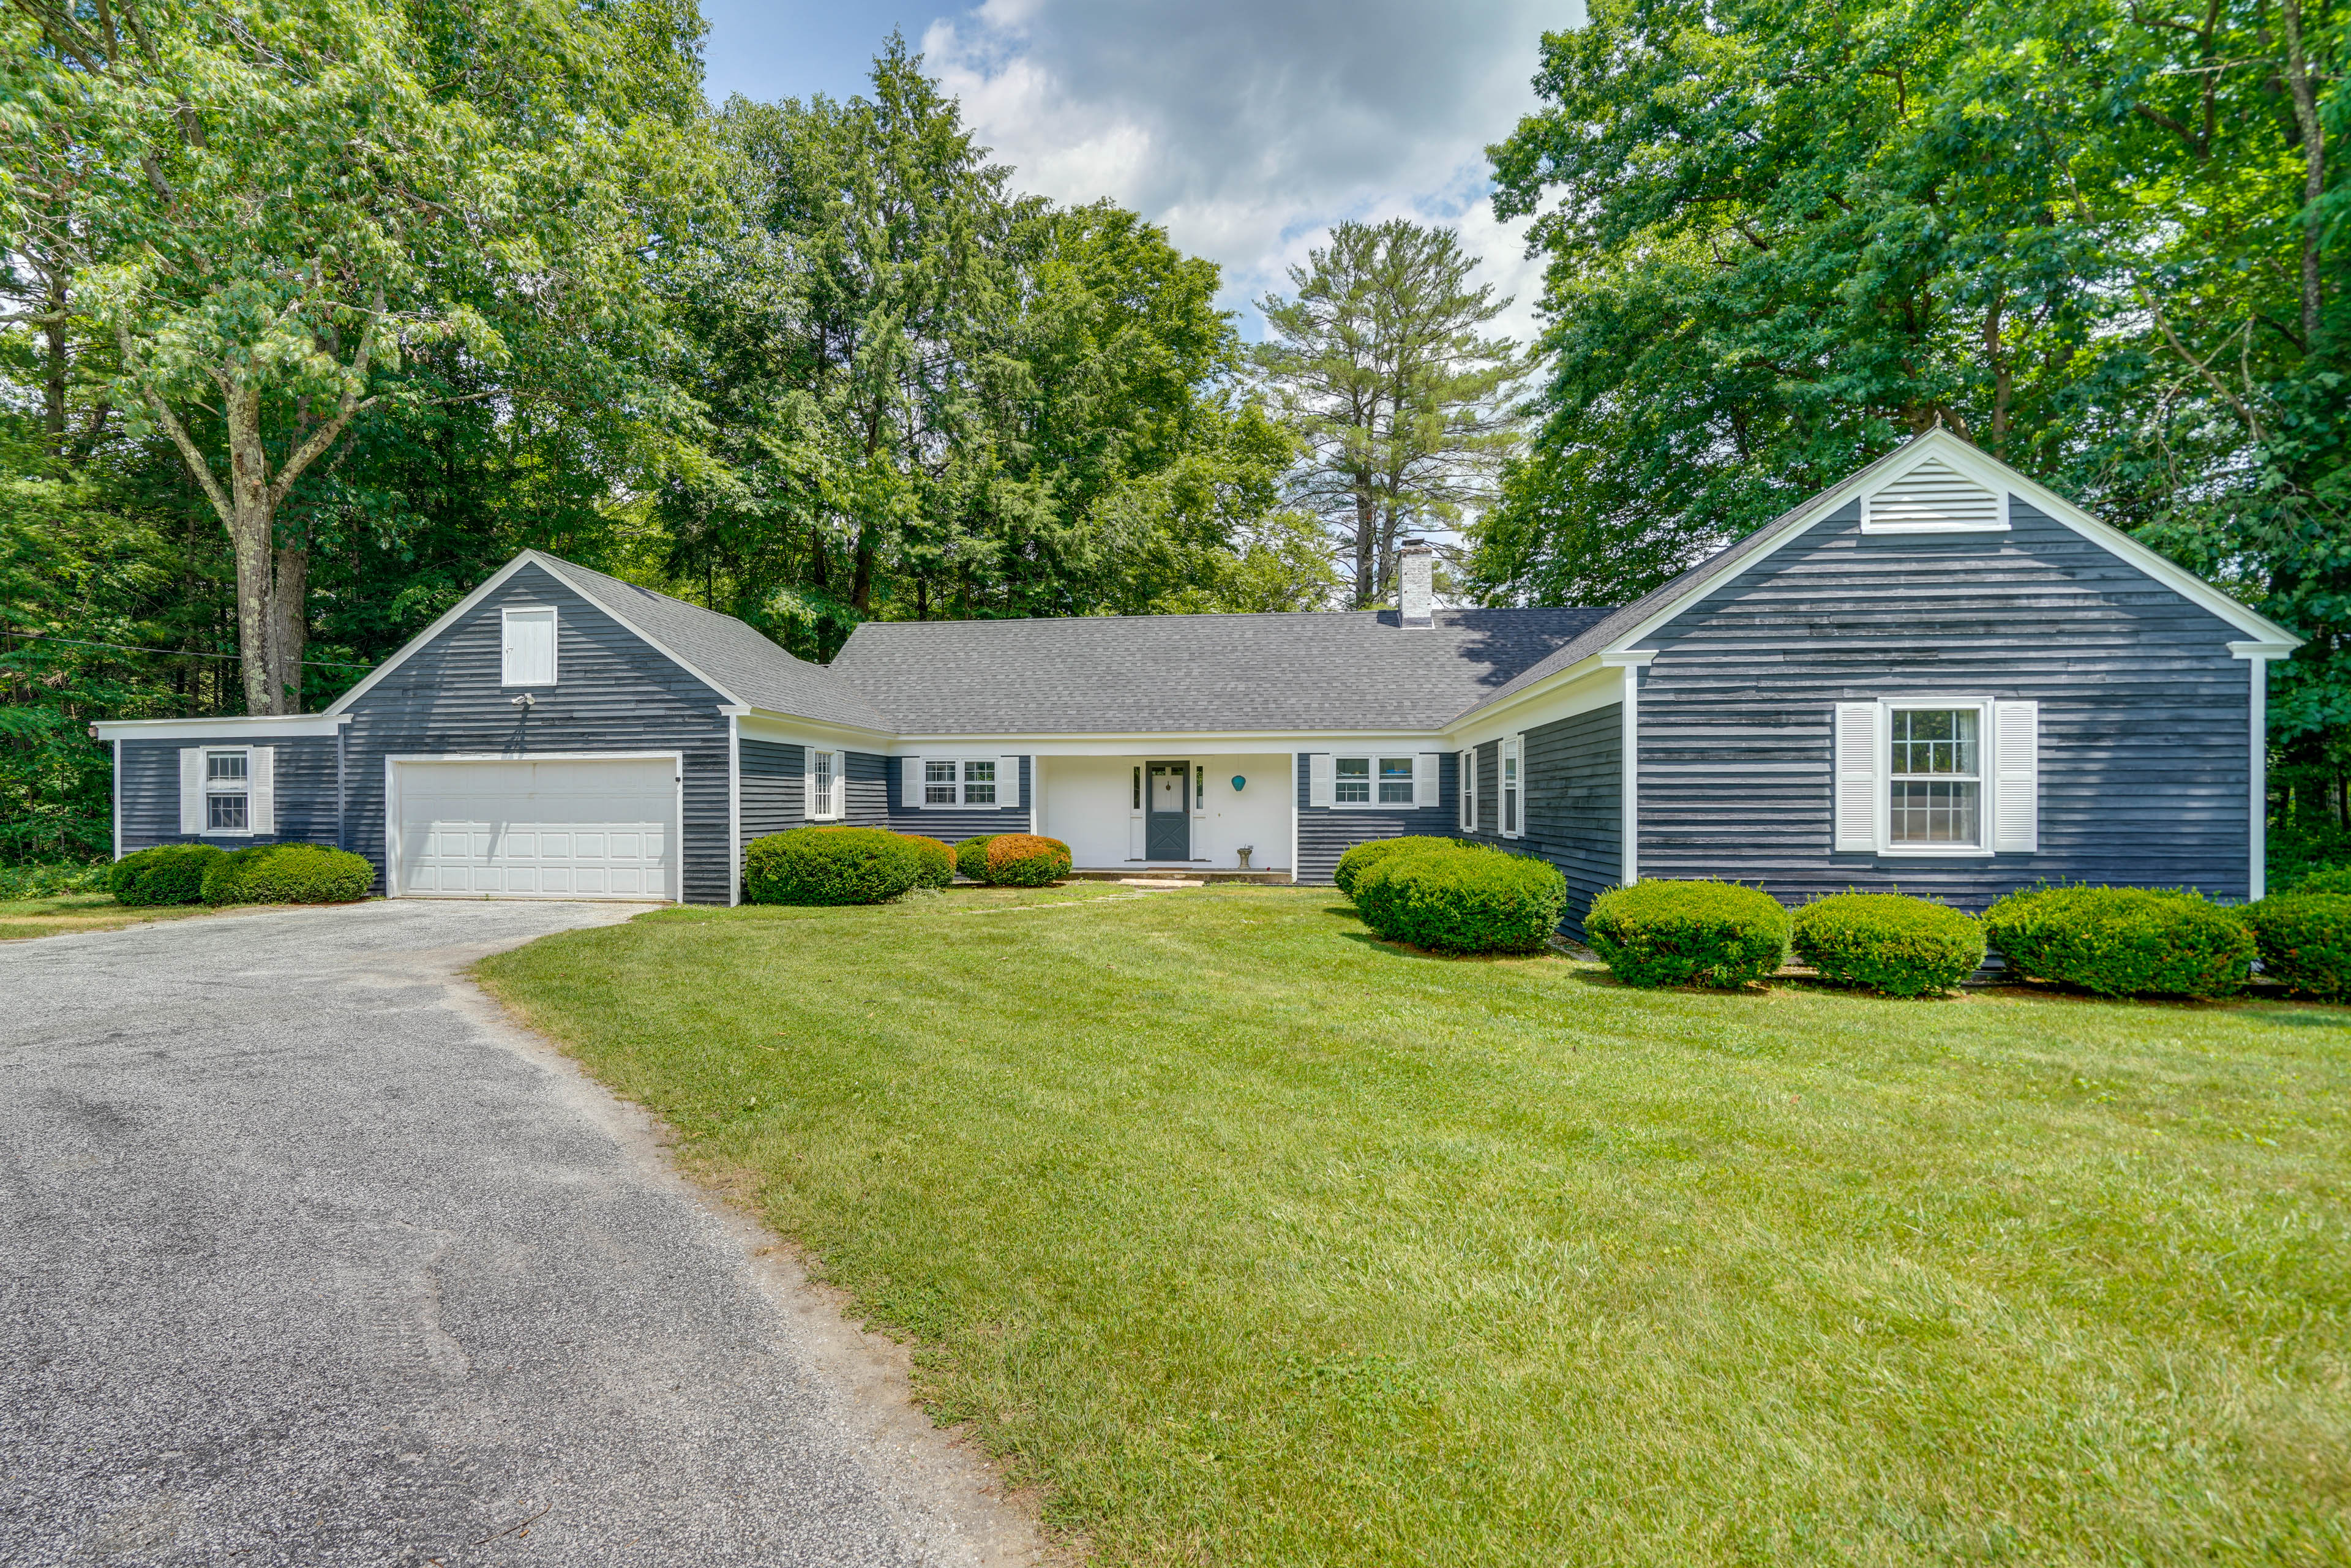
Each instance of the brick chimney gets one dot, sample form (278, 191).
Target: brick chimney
(1416, 584)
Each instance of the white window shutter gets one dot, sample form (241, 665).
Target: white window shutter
(910, 786)
(1007, 781)
(2016, 793)
(1466, 794)
(1320, 774)
(192, 789)
(1857, 776)
(811, 804)
(1423, 781)
(261, 803)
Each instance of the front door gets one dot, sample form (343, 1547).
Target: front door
(1166, 811)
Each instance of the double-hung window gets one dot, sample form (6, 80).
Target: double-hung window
(1407, 782)
(939, 782)
(1508, 753)
(1395, 781)
(1467, 765)
(1935, 777)
(979, 782)
(1353, 785)
(228, 791)
(828, 785)
(988, 783)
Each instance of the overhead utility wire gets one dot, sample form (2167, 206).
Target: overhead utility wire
(175, 653)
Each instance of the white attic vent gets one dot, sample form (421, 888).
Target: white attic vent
(1932, 498)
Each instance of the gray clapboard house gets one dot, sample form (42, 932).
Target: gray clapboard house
(1937, 676)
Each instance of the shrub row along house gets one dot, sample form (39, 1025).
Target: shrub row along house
(1936, 674)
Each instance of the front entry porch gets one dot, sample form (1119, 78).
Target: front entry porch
(1164, 812)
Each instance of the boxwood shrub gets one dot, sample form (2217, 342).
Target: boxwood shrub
(828, 865)
(1360, 858)
(1688, 933)
(2124, 941)
(287, 874)
(1887, 942)
(971, 857)
(168, 873)
(2304, 940)
(1452, 899)
(1025, 860)
(935, 862)
(2334, 878)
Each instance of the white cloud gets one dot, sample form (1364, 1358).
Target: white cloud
(1247, 127)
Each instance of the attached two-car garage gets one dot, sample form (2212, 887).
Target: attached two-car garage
(567, 827)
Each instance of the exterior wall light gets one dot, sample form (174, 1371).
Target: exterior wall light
(1238, 782)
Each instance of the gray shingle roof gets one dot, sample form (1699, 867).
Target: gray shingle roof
(751, 668)
(1347, 670)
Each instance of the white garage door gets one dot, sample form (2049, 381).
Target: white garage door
(570, 829)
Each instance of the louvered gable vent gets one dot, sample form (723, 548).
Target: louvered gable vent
(1933, 497)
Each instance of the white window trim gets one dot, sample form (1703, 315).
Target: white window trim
(835, 804)
(1986, 779)
(1374, 804)
(554, 641)
(246, 832)
(1465, 813)
(1007, 779)
(1509, 794)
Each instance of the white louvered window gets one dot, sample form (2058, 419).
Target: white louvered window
(1933, 498)
(1935, 777)
(939, 783)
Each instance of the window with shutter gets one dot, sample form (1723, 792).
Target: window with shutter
(1857, 777)
(1467, 788)
(1321, 780)
(1510, 788)
(2016, 787)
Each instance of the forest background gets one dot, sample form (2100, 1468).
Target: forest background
(316, 310)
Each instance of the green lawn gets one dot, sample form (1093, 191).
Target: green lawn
(54, 916)
(1255, 1240)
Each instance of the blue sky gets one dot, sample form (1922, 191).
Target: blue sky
(1246, 126)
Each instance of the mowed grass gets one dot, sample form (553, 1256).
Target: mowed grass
(23, 917)
(1255, 1240)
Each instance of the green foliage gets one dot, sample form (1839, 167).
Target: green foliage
(1025, 860)
(971, 856)
(1461, 900)
(2335, 879)
(287, 874)
(2304, 940)
(1780, 237)
(168, 873)
(1887, 942)
(1701, 933)
(55, 880)
(934, 862)
(830, 865)
(1360, 858)
(2124, 941)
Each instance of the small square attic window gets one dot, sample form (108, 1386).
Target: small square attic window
(1933, 498)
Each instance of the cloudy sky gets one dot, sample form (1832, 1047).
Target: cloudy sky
(1246, 126)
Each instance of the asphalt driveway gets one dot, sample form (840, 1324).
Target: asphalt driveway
(306, 1256)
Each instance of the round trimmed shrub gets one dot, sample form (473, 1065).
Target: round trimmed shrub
(1887, 942)
(1456, 900)
(2304, 940)
(2124, 941)
(1362, 857)
(288, 874)
(828, 865)
(971, 857)
(1702, 933)
(1025, 860)
(168, 873)
(2334, 878)
(935, 862)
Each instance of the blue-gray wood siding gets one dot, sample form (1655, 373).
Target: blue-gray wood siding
(866, 802)
(148, 777)
(1326, 833)
(2144, 715)
(614, 691)
(953, 824)
(774, 788)
(1574, 780)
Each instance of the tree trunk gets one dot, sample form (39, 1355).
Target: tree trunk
(1367, 528)
(2314, 167)
(290, 624)
(53, 389)
(250, 528)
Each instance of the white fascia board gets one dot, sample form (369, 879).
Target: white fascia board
(2262, 650)
(490, 585)
(1147, 746)
(1586, 684)
(758, 724)
(259, 726)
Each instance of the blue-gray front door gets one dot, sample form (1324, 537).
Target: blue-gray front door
(1166, 811)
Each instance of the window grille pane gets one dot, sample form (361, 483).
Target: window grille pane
(938, 783)
(979, 783)
(1933, 813)
(1935, 741)
(1395, 781)
(1351, 780)
(226, 811)
(222, 765)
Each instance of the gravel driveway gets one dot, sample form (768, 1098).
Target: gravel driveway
(306, 1256)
